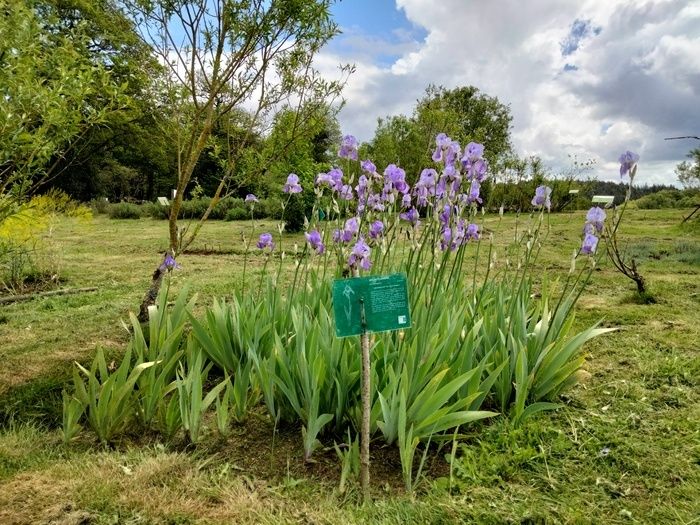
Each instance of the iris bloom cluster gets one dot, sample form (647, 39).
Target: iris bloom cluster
(445, 195)
(452, 187)
(595, 219)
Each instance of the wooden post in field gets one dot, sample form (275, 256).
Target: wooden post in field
(378, 303)
(366, 408)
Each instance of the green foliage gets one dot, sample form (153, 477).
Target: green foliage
(231, 330)
(52, 95)
(349, 456)
(191, 376)
(238, 214)
(668, 199)
(124, 210)
(27, 254)
(109, 397)
(535, 343)
(73, 410)
(163, 345)
(689, 172)
(99, 206)
(315, 376)
(463, 113)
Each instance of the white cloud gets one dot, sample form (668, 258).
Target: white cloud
(627, 86)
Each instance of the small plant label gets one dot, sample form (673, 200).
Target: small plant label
(385, 300)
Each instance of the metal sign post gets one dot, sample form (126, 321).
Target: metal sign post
(362, 305)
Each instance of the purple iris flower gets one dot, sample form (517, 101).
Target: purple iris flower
(474, 190)
(441, 140)
(351, 227)
(446, 239)
(452, 152)
(362, 183)
(388, 195)
(590, 242)
(336, 176)
(406, 201)
(314, 240)
(441, 187)
(169, 264)
(346, 192)
(427, 178)
(472, 232)
(376, 230)
(374, 202)
(411, 216)
(333, 179)
(474, 150)
(596, 217)
(361, 188)
(446, 150)
(348, 148)
(445, 214)
(477, 170)
(359, 256)
(324, 178)
(421, 194)
(368, 166)
(292, 184)
(627, 162)
(397, 177)
(541, 197)
(265, 241)
(250, 198)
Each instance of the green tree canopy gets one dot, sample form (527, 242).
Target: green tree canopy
(53, 94)
(464, 113)
(689, 172)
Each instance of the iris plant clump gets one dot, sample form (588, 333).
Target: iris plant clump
(486, 340)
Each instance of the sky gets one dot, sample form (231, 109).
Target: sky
(590, 78)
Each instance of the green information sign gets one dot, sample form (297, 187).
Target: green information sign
(385, 302)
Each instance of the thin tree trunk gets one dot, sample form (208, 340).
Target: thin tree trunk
(151, 294)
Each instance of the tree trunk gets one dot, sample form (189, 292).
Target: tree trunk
(638, 279)
(151, 294)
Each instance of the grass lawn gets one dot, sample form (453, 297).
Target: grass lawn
(624, 449)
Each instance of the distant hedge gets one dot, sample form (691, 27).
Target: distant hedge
(668, 199)
(229, 209)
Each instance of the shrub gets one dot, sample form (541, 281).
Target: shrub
(26, 247)
(237, 214)
(270, 207)
(99, 206)
(668, 199)
(124, 210)
(297, 212)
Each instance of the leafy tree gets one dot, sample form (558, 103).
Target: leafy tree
(468, 115)
(129, 155)
(305, 152)
(223, 55)
(689, 172)
(52, 94)
(465, 114)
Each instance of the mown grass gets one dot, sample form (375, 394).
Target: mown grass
(625, 449)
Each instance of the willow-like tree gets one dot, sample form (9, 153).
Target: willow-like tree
(689, 172)
(225, 55)
(53, 93)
